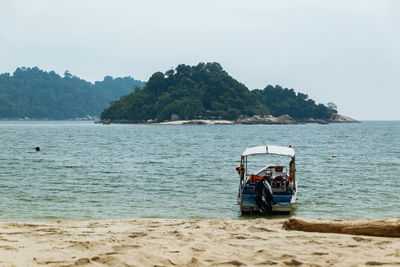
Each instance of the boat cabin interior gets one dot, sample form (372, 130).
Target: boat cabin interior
(276, 176)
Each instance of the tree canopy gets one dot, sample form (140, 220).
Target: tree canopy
(188, 91)
(207, 90)
(34, 93)
(284, 101)
(204, 90)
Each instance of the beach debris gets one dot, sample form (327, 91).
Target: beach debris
(387, 227)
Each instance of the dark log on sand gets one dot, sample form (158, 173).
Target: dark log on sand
(387, 228)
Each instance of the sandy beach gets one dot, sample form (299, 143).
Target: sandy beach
(175, 242)
(208, 122)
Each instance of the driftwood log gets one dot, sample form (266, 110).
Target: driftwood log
(387, 228)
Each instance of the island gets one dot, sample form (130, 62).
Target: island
(207, 94)
(31, 93)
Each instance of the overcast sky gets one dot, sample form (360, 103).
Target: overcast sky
(346, 52)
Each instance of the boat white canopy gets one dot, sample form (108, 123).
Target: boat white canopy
(275, 150)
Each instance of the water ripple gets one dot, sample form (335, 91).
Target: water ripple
(89, 171)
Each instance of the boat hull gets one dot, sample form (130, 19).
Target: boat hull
(283, 202)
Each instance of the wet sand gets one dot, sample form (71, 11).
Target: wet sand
(175, 242)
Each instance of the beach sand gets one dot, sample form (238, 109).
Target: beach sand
(209, 122)
(176, 242)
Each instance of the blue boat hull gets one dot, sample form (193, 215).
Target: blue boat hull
(282, 201)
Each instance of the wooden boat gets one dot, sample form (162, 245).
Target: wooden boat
(271, 189)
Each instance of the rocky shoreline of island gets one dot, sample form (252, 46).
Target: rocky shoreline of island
(247, 120)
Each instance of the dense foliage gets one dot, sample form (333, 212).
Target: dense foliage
(204, 90)
(207, 90)
(282, 101)
(188, 91)
(33, 93)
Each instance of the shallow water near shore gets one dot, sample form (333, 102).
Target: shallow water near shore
(88, 171)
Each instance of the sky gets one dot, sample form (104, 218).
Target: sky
(343, 51)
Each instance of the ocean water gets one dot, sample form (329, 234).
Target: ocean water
(90, 171)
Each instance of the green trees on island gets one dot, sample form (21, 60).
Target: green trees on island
(207, 90)
(33, 93)
(188, 91)
(282, 101)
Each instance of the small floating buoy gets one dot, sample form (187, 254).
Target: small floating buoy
(333, 156)
(37, 148)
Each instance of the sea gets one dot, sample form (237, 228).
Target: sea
(88, 171)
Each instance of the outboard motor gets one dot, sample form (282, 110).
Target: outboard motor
(264, 196)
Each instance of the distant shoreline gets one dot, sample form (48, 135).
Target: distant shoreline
(196, 122)
(256, 120)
